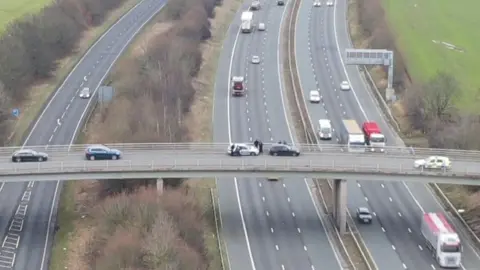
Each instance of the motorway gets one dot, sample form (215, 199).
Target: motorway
(29, 210)
(394, 238)
(266, 225)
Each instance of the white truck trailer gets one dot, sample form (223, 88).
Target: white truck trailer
(352, 136)
(442, 240)
(247, 21)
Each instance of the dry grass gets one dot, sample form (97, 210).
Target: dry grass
(39, 94)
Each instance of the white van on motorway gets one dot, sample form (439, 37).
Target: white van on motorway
(325, 129)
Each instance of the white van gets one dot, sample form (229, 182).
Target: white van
(325, 129)
(261, 27)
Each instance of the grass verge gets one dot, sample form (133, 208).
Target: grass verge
(11, 10)
(41, 92)
(425, 32)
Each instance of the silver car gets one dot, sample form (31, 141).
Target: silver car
(242, 149)
(85, 93)
(255, 59)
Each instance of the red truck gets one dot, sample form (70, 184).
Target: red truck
(373, 136)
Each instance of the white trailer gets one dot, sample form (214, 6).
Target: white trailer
(247, 19)
(352, 135)
(442, 240)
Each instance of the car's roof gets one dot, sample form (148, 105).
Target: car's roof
(439, 157)
(97, 146)
(24, 151)
(363, 209)
(314, 92)
(344, 82)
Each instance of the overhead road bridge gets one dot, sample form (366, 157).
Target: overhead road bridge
(206, 160)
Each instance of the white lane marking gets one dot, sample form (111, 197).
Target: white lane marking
(288, 199)
(433, 267)
(276, 247)
(271, 230)
(305, 248)
(366, 199)
(358, 184)
(383, 229)
(390, 199)
(420, 247)
(298, 230)
(409, 230)
(393, 247)
(267, 213)
(263, 198)
(404, 266)
(399, 214)
(293, 214)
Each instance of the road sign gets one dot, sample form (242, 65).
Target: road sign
(16, 112)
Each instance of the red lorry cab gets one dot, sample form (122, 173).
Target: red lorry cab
(370, 128)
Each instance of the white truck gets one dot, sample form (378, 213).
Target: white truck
(352, 136)
(247, 18)
(442, 240)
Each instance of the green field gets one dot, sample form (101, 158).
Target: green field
(417, 23)
(12, 9)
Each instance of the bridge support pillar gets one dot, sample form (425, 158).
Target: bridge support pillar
(160, 185)
(340, 204)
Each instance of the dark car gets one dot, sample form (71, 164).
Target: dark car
(280, 2)
(28, 155)
(101, 152)
(364, 215)
(283, 150)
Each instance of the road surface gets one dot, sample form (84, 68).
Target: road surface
(27, 238)
(394, 238)
(266, 225)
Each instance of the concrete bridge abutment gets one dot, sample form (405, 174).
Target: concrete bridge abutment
(160, 185)
(340, 204)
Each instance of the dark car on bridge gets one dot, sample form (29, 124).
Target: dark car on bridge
(283, 150)
(29, 155)
(94, 152)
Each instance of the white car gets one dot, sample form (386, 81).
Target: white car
(85, 93)
(317, 4)
(242, 149)
(255, 59)
(345, 86)
(433, 162)
(261, 27)
(330, 3)
(255, 5)
(315, 96)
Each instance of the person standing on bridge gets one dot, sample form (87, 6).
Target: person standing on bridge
(255, 143)
(260, 147)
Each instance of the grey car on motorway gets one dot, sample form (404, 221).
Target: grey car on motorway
(364, 215)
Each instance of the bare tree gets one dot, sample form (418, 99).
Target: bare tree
(439, 94)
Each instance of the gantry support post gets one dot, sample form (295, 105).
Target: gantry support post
(160, 185)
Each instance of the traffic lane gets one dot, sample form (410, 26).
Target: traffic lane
(253, 211)
(305, 70)
(258, 224)
(310, 226)
(425, 201)
(34, 235)
(377, 243)
(230, 213)
(292, 244)
(231, 225)
(312, 246)
(395, 220)
(396, 232)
